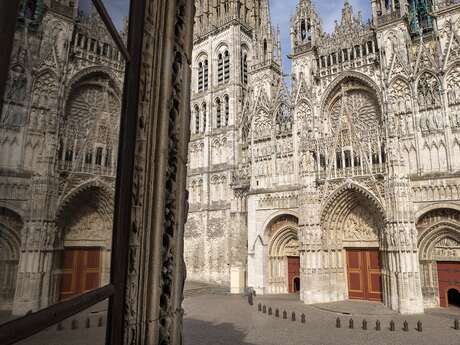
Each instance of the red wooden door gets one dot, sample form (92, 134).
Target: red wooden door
(293, 272)
(81, 271)
(364, 274)
(449, 278)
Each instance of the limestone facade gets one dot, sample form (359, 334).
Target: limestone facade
(363, 151)
(59, 130)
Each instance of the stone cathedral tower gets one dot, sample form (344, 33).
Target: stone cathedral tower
(234, 44)
(347, 186)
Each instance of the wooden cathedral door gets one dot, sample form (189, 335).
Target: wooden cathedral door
(364, 274)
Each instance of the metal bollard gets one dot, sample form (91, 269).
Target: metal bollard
(264, 309)
(270, 312)
(88, 323)
(377, 325)
(100, 322)
(277, 313)
(259, 307)
(293, 316)
(364, 325)
(285, 315)
(456, 324)
(392, 326)
(419, 326)
(59, 326)
(337, 322)
(302, 318)
(351, 324)
(405, 326)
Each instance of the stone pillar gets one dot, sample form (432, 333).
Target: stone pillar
(400, 273)
(36, 287)
(156, 270)
(238, 242)
(311, 287)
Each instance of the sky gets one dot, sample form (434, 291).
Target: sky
(281, 11)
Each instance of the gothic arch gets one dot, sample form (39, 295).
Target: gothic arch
(349, 75)
(281, 235)
(438, 206)
(346, 193)
(438, 242)
(275, 216)
(201, 55)
(450, 70)
(434, 234)
(87, 72)
(402, 79)
(11, 225)
(221, 47)
(102, 190)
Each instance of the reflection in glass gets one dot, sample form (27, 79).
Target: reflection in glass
(59, 129)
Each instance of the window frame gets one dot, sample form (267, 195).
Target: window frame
(24, 327)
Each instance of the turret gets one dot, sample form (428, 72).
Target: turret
(305, 26)
(267, 50)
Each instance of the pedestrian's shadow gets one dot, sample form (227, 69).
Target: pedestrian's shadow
(198, 332)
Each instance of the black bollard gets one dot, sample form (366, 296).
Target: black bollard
(100, 323)
(419, 326)
(364, 325)
(405, 326)
(285, 315)
(392, 326)
(88, 323)
(337, 322)
(377, 325)
(264, 309)
(293, 316)
(74, 324)
(270, 312)
(456, 324)
(259, 307)
(59, 326)
(302, 318)
(351, 324)
(277, 313)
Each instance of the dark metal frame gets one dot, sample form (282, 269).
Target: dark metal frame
(26, 326)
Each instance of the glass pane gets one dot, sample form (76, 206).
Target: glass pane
(59, 128)
(87, 327)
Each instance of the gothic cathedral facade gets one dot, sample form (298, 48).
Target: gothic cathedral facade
(345, 185)
(58, 152)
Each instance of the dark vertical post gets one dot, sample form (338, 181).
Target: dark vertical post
(126, 154)
(8, 16)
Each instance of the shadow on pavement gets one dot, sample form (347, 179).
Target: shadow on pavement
(198, 332)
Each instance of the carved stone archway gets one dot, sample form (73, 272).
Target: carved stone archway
(10, 241)
(439, 241)
(352, 218)
(84, 221)
(283, 245)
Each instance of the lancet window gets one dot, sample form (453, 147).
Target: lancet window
(227, 110)
(218, 113)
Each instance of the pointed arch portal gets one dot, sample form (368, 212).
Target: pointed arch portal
(283, 255)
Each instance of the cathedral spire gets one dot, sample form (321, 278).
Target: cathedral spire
(305, 25)
(268, 46)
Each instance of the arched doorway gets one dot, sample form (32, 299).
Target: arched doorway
(352, 220)
(85, 221)
(11, 225)
(284, 258)
(296, 284)
(453, 297)
(439, 255)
